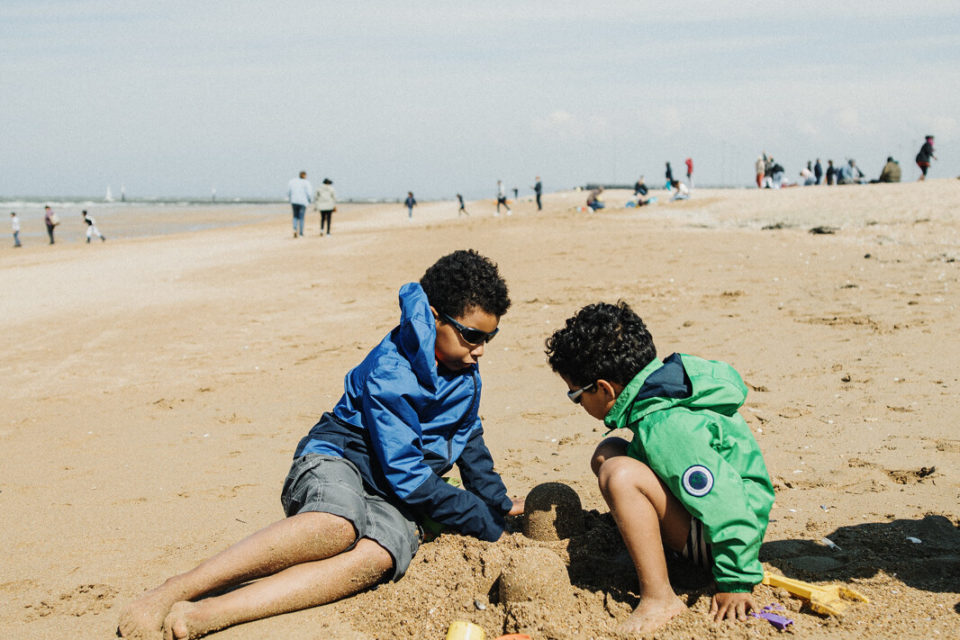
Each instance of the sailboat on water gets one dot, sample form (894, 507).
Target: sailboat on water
(109, 196)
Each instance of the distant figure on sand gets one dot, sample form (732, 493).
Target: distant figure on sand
(365, 484)
(92, 228)
(668, 174)
(850, 173)
(925, 156)
(682, 193)
(595, 199)
(689, 163)
(462, 211)
(691, 482)
(806, 175)
(890, 171)
(640, 191)
(15, 226)
(831, 173)
(325, 201)
(818, 171)
(538, 190)
(410, 203)
(51, 220)
(760, 169)
(502, 198)
(300, 194)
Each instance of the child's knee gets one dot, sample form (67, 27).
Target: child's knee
(374, 556)
(620, 472)
(608, 448)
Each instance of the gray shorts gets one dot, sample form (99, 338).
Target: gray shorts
(333, 485)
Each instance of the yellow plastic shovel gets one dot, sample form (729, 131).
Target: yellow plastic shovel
(829, 599)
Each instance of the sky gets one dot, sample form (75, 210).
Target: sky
(177, 98)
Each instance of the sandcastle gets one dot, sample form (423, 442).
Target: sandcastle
(552, 512)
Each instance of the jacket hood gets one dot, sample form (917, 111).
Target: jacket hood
(678, 381)
(416, 335)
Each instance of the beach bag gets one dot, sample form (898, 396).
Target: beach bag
(54, 219)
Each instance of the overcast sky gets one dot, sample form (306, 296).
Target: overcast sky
(174, 98)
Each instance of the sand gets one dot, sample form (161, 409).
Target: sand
(154, 390)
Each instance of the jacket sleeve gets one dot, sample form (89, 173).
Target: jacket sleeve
(712, 491)
(396, 441)
(476, 471)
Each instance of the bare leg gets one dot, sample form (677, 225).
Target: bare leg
(297, 587)
(305, 537)
(646, 514)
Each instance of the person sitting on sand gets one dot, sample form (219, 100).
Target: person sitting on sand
(640, 190)
(692, 481)
(595, 199)
(890, 172)
(366, 479)
(850, 173)
(682, 193)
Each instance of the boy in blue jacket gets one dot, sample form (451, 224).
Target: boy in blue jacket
(368, 474)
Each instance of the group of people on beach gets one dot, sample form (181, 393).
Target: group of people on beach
(770, 173)
(367, 483)
(300, 194)
(51, 221)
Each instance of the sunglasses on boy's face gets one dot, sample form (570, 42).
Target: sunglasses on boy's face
(469, 334)
(575, 394)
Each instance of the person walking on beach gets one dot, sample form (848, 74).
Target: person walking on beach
(300, 194)
(462, 211)
(502, 198)
(689, 163)
(51, 220)
(924, 157)
(760, 169)
(92, 228)
(818, 171)
(411, 202)
(669, 176)
(15, 225)
(325, 201)
(538, 190)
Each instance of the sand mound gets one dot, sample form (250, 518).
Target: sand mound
(552, 512)
(534, 574)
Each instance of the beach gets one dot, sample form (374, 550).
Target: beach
(155, 388)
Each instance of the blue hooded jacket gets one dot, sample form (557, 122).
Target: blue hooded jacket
(404, 421)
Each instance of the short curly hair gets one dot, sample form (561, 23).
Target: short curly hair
(462, 280)
(602, 341)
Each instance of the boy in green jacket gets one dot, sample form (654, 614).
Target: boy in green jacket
(691, 480)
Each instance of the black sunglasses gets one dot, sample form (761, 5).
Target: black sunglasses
(469, 334)
(575, 394)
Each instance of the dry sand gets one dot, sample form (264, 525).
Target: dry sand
(154, 389)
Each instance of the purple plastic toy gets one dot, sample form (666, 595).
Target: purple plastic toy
(780, 622)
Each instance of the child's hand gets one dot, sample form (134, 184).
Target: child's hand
(731, 606)
(517, 508)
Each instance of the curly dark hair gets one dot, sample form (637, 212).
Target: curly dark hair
(602, 341)
(465, 279)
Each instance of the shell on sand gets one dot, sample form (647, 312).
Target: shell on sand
(552, 511)
(534, 574)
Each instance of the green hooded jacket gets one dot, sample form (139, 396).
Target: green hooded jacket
(683, 414)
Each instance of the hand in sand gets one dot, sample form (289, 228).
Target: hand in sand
(517, 508)
(731, 606)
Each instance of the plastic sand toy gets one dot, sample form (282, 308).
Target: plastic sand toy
(831, 599)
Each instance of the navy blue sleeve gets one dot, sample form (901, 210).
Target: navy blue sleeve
(476, 471)
(460, 510)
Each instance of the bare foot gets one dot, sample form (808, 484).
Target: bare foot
(650, 615)
(143, 618)
(189, 620)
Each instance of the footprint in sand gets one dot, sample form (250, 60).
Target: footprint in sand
(84, 599)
